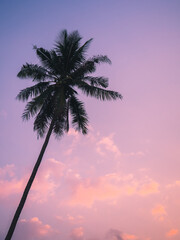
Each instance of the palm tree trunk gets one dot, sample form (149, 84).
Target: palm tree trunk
(28, 186)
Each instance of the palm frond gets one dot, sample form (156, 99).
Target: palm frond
(62, 39)
(69, 91)
(79, 55)
(32, 91)
(36, 103)
(99, 93)
(79, 115)
(101, 59)
(31, 109)
(45, 57)
(65, 47)
(37, 73)
(49, 111)
(97, 81)
(61, 122)
(43, 118)
(56, 65)
(67, 115)
(58, 129)
(89, 66)
(65, 42)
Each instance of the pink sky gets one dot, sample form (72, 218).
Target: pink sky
(121, 181)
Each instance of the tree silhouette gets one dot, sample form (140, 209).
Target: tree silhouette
(54, 96)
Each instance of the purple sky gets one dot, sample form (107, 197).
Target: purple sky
(121, 182)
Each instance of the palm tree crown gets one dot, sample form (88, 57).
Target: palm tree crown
(62, 71)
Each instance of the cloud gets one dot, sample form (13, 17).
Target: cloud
(34, 229)
(44, 186)
(174, 184)
(9, 184)
(110, 187)
(114, 234)
(129, 237)
(77, 219)
(7, 171)
(72, 132)
(148, 188)
(77, 233)
(89, 191)
(106, 144)
(47, 180)
(76, 137)
(11, 187)
(159, 212)
(177, 183)
(173, 232)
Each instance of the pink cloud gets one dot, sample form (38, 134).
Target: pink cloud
(77, 233)
(88, 191)
(47, 180)
(173, 232)
(43, 187)
(110, 188)
(129, 237)
(7, 171)
(75, 219)
(148, 188)
(10, 187)
(9, 184)
(34, 229)
(159, 212)
(71, 219)
(114, 234)
(75, 140)
(72, 132)
(174, 184)
(106, 144)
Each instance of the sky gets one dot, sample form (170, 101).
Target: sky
(121, 181)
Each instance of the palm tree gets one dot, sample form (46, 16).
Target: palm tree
(62, 72)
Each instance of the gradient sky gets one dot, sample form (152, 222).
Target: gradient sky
(121, 181)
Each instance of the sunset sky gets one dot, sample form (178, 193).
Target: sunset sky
(122, 180)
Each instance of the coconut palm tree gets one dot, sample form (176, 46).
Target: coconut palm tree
(54, 96)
